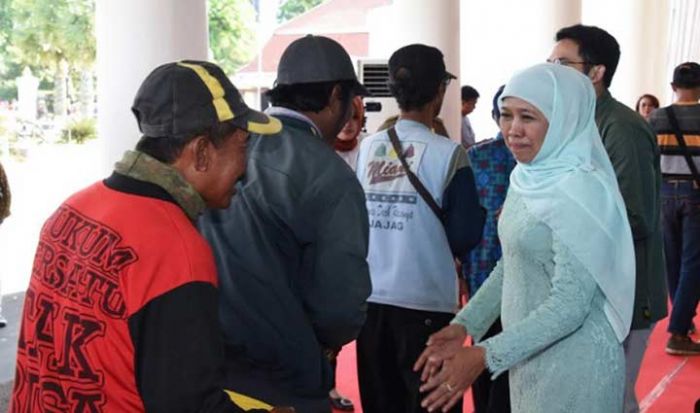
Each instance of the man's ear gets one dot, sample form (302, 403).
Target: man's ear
(597, 73)
(200, 147)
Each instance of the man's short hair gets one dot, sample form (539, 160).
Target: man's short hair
(687, 75)
(596, 47)
(469, 93)
(416, 73)
(310, 97)
(167, 148)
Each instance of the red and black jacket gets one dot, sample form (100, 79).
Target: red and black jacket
(121, 313)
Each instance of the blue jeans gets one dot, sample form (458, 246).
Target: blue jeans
(681, 226)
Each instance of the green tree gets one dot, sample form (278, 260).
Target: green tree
(47, 32)
(292, 8)
(9, 69)
(55, 38)
(231, 33)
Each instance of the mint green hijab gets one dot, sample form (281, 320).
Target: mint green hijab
(571, 185)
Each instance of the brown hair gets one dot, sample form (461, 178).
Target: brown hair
(5, 196)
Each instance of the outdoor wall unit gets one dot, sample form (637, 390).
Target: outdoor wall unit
(374, 74)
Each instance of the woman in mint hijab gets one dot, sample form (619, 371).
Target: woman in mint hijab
(564, 287)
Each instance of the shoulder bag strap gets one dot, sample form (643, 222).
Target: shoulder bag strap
(681, 142)
(417, 184)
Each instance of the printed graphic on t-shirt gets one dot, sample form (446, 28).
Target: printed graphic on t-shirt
(73, 299)
(390, 195)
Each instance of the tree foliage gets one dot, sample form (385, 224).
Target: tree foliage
(47, 32)
(231, 33)
(292, 8)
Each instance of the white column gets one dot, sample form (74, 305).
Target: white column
(133, 37)
(437, 25)
(641, 29)
(684, 38)
(500, 37)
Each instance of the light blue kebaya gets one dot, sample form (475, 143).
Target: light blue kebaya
(564, 287)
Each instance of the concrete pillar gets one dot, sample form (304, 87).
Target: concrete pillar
(641, 29)
(500, 37)
(410, 21)
(133, 37)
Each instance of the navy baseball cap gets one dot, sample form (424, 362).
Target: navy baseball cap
(182, 99)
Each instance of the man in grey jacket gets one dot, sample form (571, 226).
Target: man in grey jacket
(291, 249)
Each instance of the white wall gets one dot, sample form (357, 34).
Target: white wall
(410, 21)
(500, 37)
(641, 29)
(133, 38)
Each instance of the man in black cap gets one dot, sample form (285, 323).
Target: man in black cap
(291, 249)
(677, 130)
(415, 234)
(121, 314)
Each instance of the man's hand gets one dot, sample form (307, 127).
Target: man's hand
(440, 346)
(455, 377)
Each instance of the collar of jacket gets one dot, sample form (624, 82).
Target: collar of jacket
(279, 111)
(603, 101)
(142, 167)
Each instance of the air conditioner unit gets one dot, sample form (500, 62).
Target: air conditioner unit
(374, 74)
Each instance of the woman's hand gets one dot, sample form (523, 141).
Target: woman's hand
(441, 345)
(455, 377)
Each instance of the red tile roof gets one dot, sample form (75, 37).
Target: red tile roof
(342, 20)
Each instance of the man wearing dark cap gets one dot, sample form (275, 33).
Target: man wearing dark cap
(291, 249)
(678, 133)
(412, 244)
(121, 314)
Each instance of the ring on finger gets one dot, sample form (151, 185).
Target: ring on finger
(449, 388)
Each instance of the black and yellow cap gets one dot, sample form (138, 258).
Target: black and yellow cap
(181, 99)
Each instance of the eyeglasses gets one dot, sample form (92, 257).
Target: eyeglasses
(446, 81)
(567, 62)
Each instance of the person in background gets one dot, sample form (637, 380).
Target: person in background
(5, 201)
(347, 147)
(291, 249)
(646, 104)
(414, 234)
(680, 163)
(469, 98)
(121, 310)
(347, 142)
(634, 153)
(492, 163)
(563, 299)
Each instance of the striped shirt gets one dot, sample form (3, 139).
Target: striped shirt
(673, 162)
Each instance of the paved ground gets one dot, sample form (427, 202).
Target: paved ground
(11, 309)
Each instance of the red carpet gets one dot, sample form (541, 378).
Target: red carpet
(666, 383)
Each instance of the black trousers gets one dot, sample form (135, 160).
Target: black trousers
(388, 346)
(491, 396)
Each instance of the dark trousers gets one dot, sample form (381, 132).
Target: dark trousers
(491, 396)
(681, 228)
(256, 382)
(388, 346)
